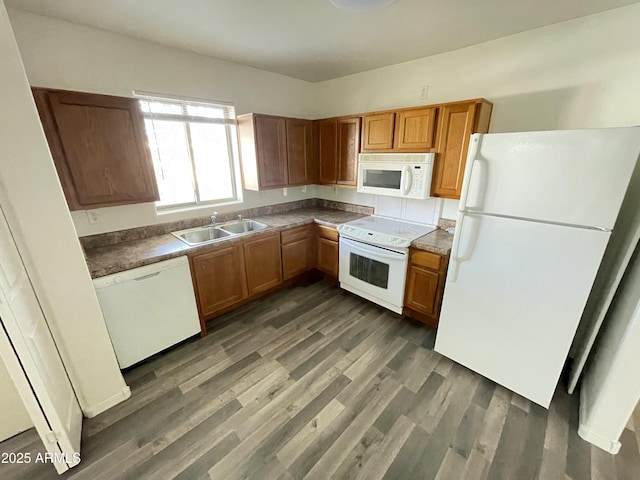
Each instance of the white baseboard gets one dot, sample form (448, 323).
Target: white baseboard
(108, 403)
(606, 444)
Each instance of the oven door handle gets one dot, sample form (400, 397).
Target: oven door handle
(368, 251)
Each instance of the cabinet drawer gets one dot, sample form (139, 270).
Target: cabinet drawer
(294, 234)
(427, 260)
(329, 233)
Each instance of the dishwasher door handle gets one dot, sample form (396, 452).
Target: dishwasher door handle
(145, 277)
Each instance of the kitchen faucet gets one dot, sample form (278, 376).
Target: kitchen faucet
(214, 218)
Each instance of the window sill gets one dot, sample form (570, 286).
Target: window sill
(191, 208)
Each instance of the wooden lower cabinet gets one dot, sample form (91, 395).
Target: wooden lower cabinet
(297, 251)
(262, 263)
(422, 286)
(328, 257)
(425, 285)
(219, 279)
(327, 260)
(226, 275)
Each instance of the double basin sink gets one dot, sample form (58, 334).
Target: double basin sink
(214, 233)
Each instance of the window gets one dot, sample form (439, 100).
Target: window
(192, 145)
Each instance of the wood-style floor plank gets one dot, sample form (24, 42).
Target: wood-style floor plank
(313, 382)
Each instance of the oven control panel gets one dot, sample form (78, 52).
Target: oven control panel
(375, 238)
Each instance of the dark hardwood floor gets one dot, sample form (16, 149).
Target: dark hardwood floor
(316, 383)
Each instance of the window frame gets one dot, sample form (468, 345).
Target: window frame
(231, 133)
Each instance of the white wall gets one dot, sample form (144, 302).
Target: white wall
(578, 74)
(63, 55)
(32, 200)
(15, 418)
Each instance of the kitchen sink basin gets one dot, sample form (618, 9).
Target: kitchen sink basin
(213, 233)
(242, 226)
(199, 235)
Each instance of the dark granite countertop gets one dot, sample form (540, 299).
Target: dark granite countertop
(108, 259)
(125, 255)
(438, 241)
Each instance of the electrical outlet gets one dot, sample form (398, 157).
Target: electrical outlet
(424, 91)
(93, 217)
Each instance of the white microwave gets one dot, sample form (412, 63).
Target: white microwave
(406, 175)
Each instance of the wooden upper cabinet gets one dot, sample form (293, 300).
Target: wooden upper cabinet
(327, 131)
(276, 152)
(457, 121)
(301, 155)
(348, 149)
(271, 150)
(408, 130)
(99, 147)
(338, 148)
(415, 129)
(377, 131)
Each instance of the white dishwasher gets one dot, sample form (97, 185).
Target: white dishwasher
(148, 309)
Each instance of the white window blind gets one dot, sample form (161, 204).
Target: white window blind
(192, 145)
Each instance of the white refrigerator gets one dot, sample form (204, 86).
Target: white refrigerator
(536, 213)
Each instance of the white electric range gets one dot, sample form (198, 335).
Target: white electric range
(374, 253)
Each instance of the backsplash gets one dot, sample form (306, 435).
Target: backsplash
(112, 238)
(428, 211)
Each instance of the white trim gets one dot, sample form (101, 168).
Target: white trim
(606, 444)
(178, 98)
(105, 405)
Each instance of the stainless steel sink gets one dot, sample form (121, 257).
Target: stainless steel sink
(213, 233)
(200, 235)
(242, 226)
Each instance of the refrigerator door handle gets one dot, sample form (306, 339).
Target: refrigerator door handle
(454, 260)
(471, 162)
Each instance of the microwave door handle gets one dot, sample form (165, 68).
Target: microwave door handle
(407, 179)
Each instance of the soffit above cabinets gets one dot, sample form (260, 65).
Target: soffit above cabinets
(312, 39)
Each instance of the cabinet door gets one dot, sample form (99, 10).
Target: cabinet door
(422, 289)
(328, 151)
(328, 256)
(297, 251)
(295, 258)
(348, 149)
(300, 151)
(262, 263)
(415, 129)
(455, 129)
(220, 278)
(271, 151)
(99, 148)
(377, 131)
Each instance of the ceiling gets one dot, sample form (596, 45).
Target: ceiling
(311, 39)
